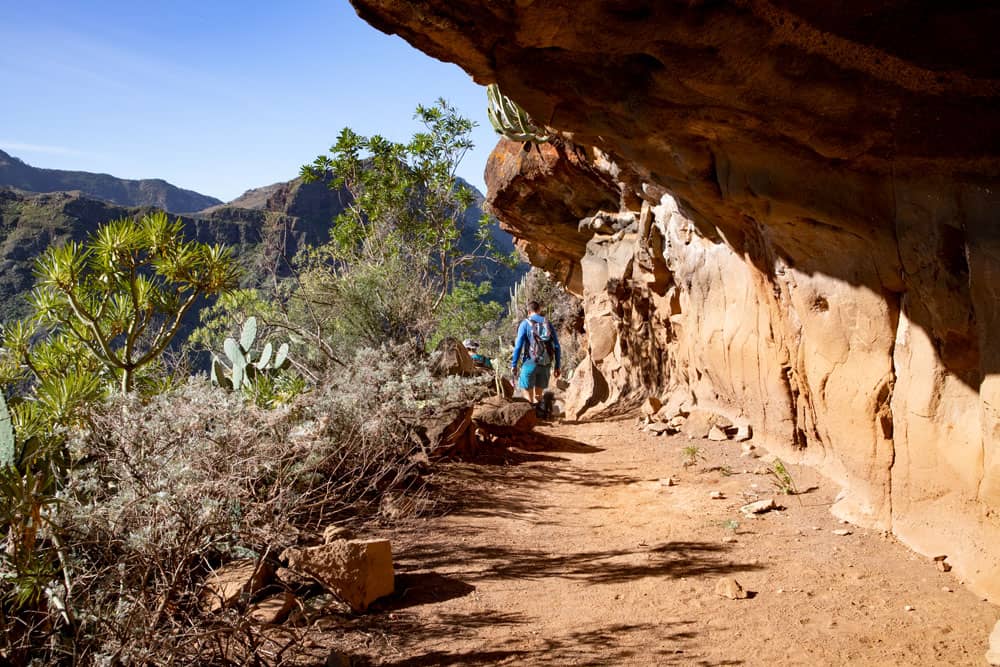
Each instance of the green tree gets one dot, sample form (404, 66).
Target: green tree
(404, 242)
(112, 305)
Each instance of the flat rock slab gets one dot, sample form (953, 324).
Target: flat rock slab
(225, 586)
(272, 610)
(356, 571)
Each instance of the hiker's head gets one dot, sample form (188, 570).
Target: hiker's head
(470, 345)
(534, 308)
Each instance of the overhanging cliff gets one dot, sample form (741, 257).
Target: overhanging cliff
(801, 227)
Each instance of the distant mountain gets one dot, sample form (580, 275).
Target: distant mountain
(30, 222)
(265, 226)
(156, 192)
(308, 209)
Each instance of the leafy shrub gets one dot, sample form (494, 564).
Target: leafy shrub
(166, 488)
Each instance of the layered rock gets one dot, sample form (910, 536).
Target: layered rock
(789, 216)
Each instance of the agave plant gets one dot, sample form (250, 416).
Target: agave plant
(510, 120)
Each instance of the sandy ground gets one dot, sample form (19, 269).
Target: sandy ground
(571, 551)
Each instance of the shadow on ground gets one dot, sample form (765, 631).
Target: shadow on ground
(432, 566)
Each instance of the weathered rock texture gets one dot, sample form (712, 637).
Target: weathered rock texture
(810, 242)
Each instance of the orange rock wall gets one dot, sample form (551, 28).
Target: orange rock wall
(815, 243)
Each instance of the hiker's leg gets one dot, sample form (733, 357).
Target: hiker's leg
(525, 380)
(541, 383)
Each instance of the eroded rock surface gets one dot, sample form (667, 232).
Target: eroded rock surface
(814, 189)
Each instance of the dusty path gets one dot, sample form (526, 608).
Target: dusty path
(579, 555)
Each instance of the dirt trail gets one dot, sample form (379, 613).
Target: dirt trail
(576, 554)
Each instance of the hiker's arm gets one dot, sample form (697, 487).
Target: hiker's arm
(518, 344)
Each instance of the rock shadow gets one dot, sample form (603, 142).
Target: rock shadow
(418, 588)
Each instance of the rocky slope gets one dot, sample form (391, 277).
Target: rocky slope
(156, 192)
(800, 226)
(266, 225)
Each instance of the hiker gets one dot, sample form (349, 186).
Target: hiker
(536, 349)
(479, 360)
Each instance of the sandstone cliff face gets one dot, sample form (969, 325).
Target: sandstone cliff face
(801, 230)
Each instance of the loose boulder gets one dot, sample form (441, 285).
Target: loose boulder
(272, 610)
(356, 571)
(503, 417)
(451, 358)
(700, 422)
(225, 586)
(447, 431)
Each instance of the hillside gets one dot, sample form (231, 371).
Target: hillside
(156, 192)
(266, 226)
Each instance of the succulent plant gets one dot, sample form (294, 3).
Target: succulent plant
(6, 435)
(511, 120)
(244, 364)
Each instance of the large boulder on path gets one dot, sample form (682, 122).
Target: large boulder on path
(700, 423)
(503, 417)
(447, 431)
(451, 358)
(356, 571)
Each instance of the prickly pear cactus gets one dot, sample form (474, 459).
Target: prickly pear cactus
(242, 369)
(511, 120)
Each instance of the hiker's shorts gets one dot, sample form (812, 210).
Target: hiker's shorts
(533, 375)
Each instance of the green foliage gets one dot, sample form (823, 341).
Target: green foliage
(403, 244)
(465, 312)
(781, 478)
(247, 367)
(112, 305)
(692, 454)
(509, 119)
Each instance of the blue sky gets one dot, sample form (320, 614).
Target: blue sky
(215, 96)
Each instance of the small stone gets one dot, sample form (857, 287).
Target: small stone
(946, 589)
(660, 428)
(668, 481)
(272, 610)
(781, 590)
(843, 532)
(993, 654)
(728, 539)
(943, 565)
(759, 507)
(908, 607)
(743, 432)
(717, 495)
(716, 434)
(939, 558)
(748, 449)
(651, 406)
(728, 587)
(817, 528)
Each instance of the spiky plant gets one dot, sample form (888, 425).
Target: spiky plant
(510, 120)
(120, 298)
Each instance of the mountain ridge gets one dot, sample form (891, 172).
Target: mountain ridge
(16, 173)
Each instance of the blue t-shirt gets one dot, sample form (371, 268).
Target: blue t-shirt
(522, 345)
